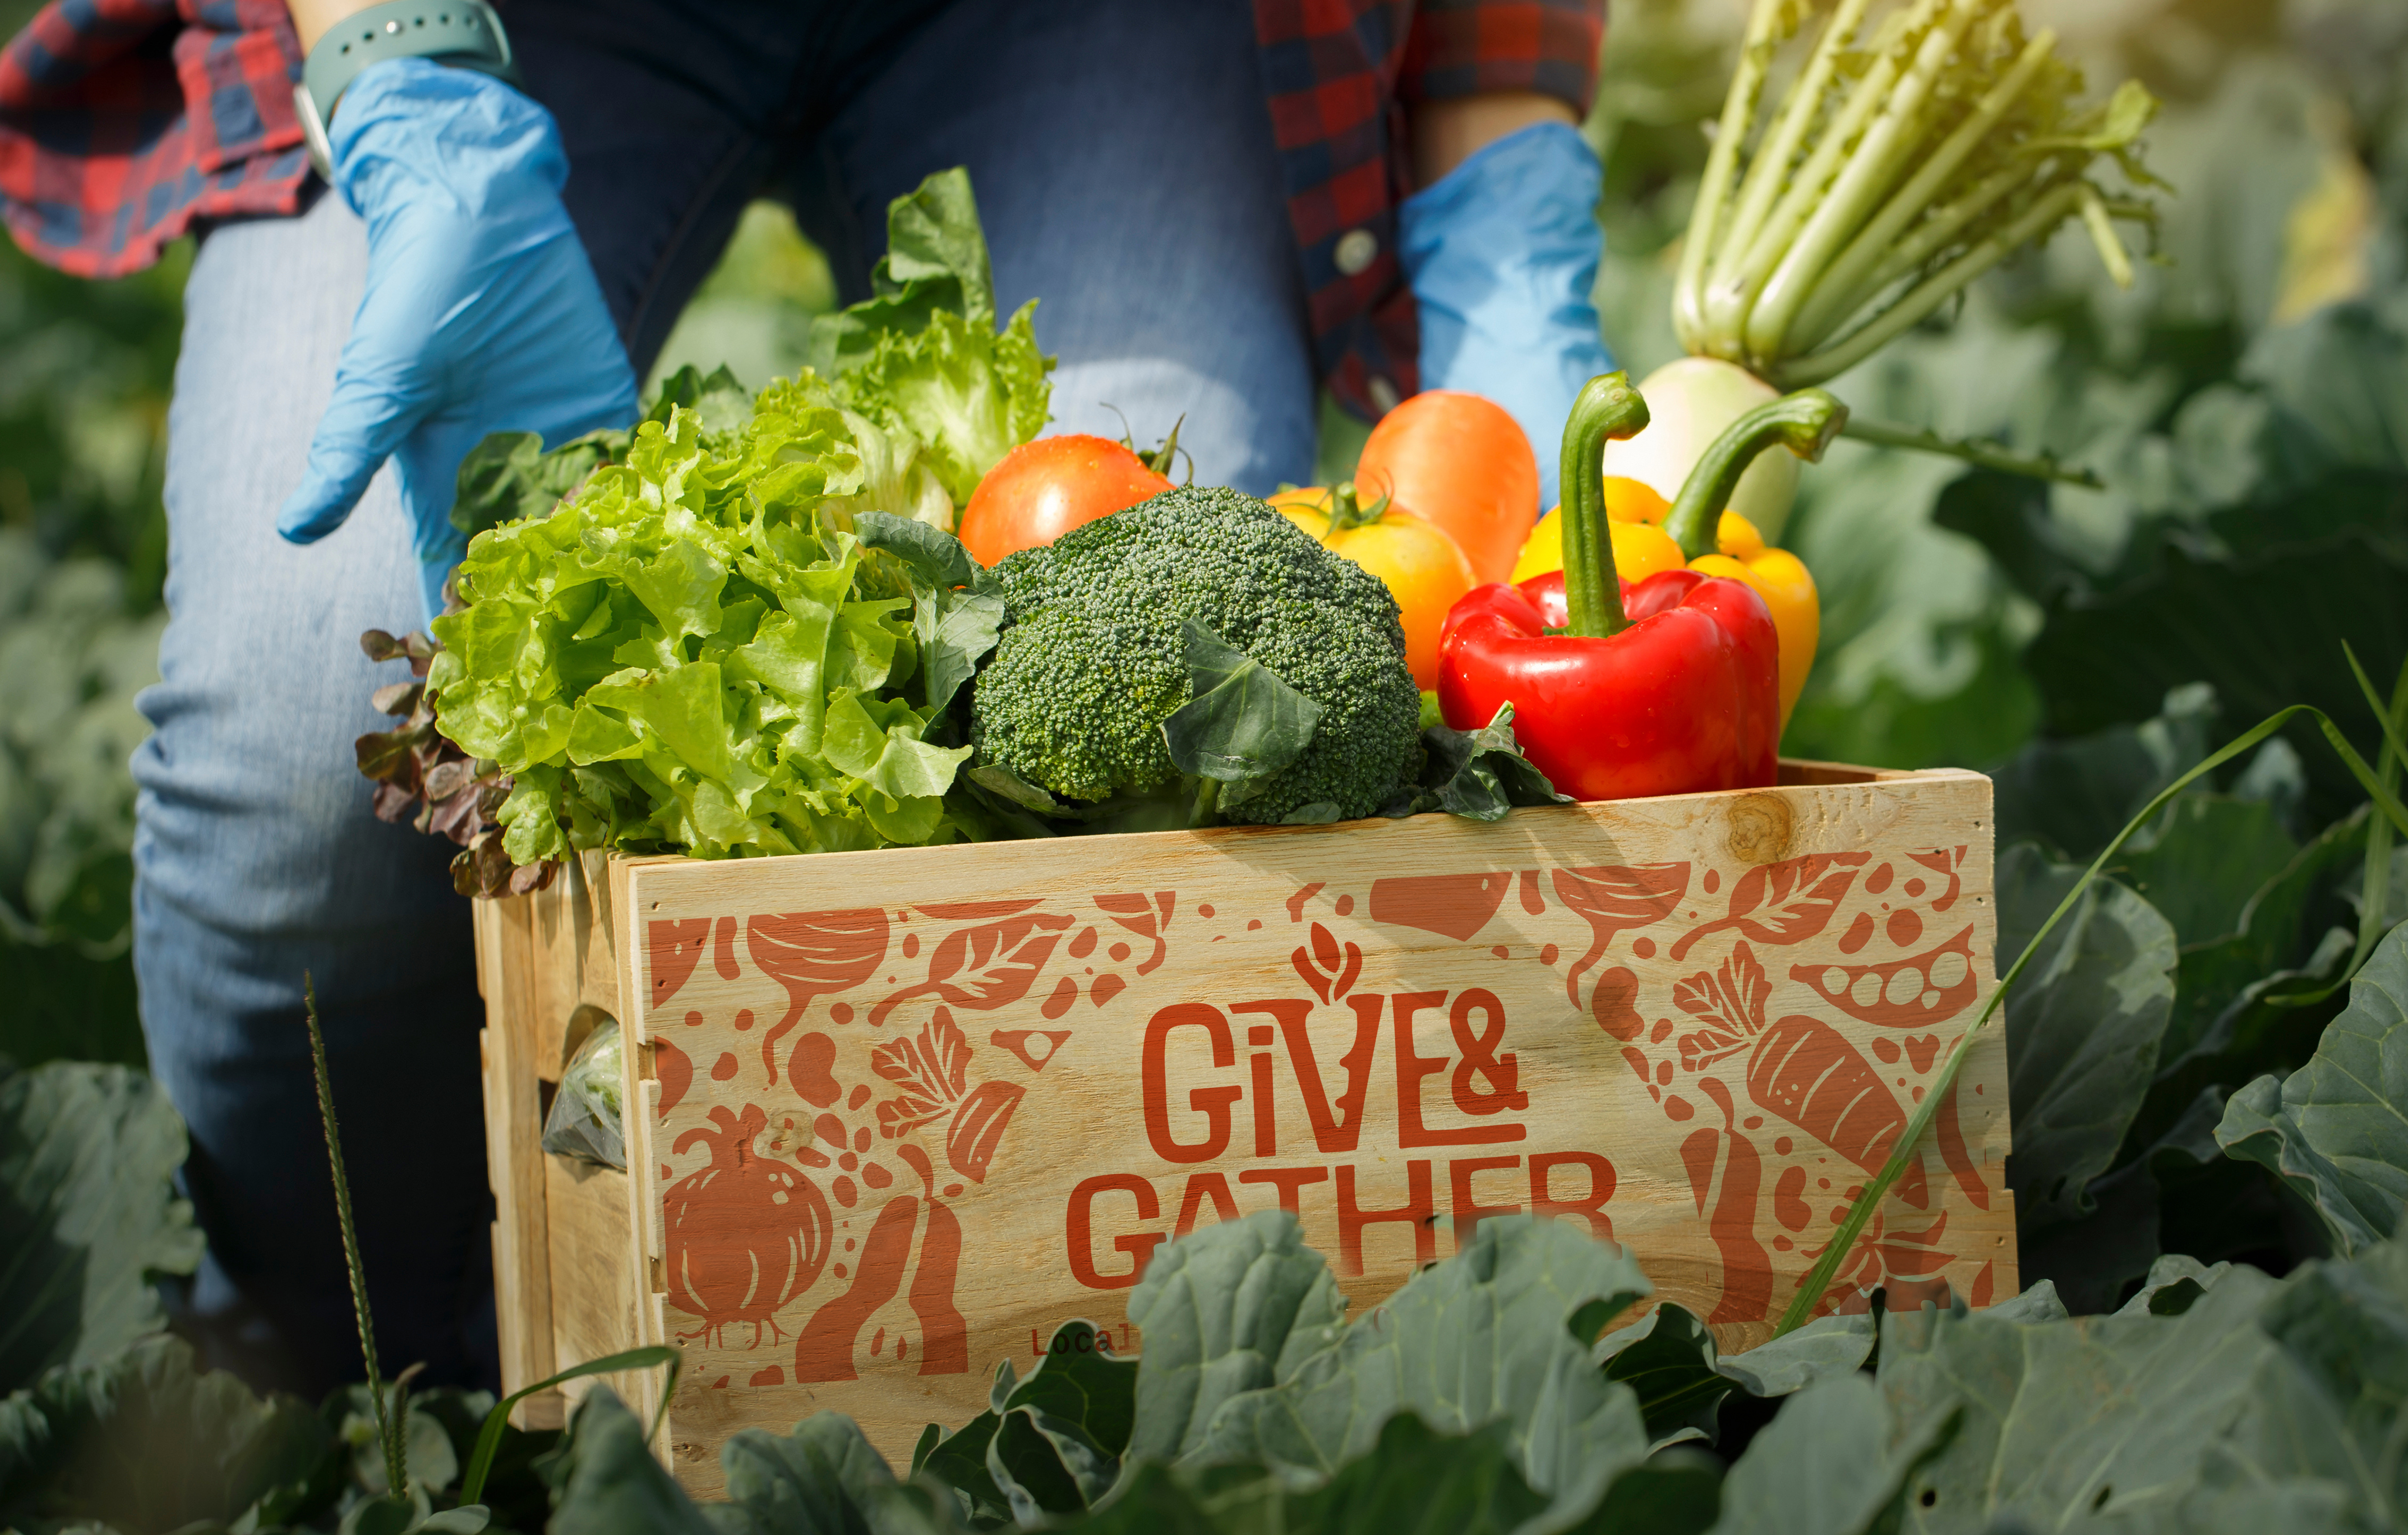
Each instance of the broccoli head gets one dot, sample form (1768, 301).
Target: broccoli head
(1091, 662)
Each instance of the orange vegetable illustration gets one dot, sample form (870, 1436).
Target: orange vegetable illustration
(814, 954)
(978, 1127)
(1807, 1073)
(745, 1234)
(1617, 899)
(1918, 991)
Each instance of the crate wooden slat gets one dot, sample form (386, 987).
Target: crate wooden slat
(893, 1113)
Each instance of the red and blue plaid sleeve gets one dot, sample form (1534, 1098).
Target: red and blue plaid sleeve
(1338, 75)
(1460, 48)
(123, 120)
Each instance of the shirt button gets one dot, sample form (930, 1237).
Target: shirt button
(1356, 249)
(1383, 394)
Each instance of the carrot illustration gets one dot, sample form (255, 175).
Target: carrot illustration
(1805, 1071)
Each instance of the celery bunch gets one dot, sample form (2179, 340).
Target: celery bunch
(1906, 159)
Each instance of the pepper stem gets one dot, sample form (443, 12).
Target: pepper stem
(1607, 407)
(1804, 423)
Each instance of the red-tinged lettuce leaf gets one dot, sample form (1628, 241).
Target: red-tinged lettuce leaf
(88, 1215)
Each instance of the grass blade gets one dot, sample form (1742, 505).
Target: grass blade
(1818, 1279)
(390, 1432)
(489, 1438)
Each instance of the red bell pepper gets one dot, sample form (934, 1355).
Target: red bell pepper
(1671, 686)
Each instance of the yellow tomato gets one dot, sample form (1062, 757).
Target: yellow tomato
(1424, 569)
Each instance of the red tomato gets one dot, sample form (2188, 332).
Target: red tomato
(1043, 489)
(1459, 461)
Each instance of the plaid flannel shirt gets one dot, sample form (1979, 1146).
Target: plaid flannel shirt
(122, 122)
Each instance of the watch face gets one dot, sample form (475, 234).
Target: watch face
(313, 133)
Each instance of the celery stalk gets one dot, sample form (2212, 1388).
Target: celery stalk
(1781, 143)
(1837, 291)
(1934, 291)
(1911, 154)
(1770, 25)
(1729, 299)
(1858, 190)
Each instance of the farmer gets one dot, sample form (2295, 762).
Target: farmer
(1223, 205)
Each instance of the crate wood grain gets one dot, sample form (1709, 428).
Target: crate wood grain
(901, 1112)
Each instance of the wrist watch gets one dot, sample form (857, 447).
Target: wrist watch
(466, 33)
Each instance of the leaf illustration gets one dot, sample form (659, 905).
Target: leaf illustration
(985, 967)
(1783, 903)
(1617, 900)
(1733, 997)
(1707, 1047)
(935, 1062)
(900, 1116)
(1328, 969)
(1145, 916)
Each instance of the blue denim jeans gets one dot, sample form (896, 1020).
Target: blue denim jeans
(1124, 164)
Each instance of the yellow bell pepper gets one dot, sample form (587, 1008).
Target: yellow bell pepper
(1640, 551)
(1787, 588)
(1641, 547)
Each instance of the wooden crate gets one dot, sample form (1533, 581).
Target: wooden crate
(898, 1113)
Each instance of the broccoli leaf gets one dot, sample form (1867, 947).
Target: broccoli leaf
(87, 1215)
(1502, 1333)
(2082, 1027)
(1242, 722)
(145, 1441)
(956, 612)
(931, 554)
(1479, 774)
(1233, 1308)
(1791, 1479)
(2332, 1130)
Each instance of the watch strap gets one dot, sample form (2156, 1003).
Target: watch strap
(464, 33)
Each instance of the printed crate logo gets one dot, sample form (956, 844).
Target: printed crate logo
(1381, 1059)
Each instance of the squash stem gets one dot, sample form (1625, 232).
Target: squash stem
(1607, 407)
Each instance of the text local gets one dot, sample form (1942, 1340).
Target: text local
(1482, 1087)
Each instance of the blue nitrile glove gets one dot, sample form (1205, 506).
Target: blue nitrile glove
(1502, 253)
(481, 312)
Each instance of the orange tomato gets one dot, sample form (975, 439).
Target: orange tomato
(1422, 568)
(1042, 490)
(1458, 461)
